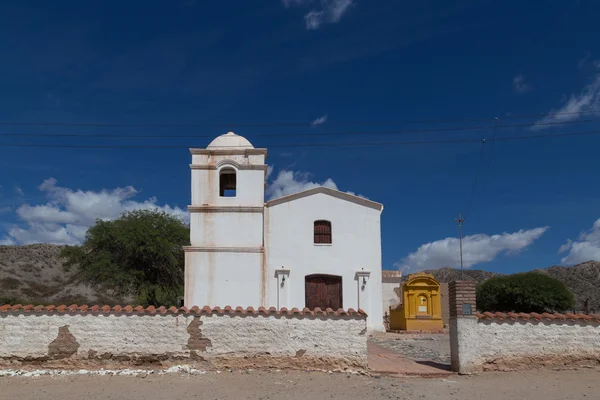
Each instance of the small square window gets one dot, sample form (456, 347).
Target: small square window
(322, 232)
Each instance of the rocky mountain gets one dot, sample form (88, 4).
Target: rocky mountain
(583, 280)
(451, 274)
(34, 274)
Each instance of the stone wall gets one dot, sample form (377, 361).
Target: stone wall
(492, 342)
(509, 341)
(72, 337)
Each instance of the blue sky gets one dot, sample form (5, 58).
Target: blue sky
(351, 66)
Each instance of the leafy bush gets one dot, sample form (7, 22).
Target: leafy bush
(524, 292)
(140, 253)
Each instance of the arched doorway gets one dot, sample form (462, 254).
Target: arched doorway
(323, 291)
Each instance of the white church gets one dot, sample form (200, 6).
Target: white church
(317, 248)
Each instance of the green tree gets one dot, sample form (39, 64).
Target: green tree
(524, 292)
(140, 254)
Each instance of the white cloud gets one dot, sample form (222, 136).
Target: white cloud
(270, 169)
(291, 3)
(337, 8)
(585, 102)
(477, 249)
(7, 242)
(520, 85)
(19, 191)
(585, 59)
(67, 215)
(565, 246)
(314, 19)
(328, 11)
(585, 248)
(321, 120)
(290, 182)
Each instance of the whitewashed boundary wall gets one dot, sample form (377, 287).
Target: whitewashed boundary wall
(72, 337)
(510, 341)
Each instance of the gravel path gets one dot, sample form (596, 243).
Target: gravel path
(420, 347)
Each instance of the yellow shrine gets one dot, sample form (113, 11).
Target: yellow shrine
(421, 308)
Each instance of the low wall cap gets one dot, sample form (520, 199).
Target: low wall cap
(206, 310)
(538, 317)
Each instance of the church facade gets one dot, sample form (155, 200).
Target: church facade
(317, 248)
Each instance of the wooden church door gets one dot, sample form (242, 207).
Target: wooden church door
(323, 291)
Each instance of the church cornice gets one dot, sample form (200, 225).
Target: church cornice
(213, 249)
(214, 167)
(230, 151)
(226, 209)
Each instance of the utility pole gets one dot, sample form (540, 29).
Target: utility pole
(460, 221)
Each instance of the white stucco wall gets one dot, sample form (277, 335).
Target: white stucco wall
(219, 279)
(392, 295)
(482, 344)
(356, 246)
(226, 229)
(234, 339)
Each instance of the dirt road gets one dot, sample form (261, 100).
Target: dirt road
(532, 385)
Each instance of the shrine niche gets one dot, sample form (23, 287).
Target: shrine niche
(421, 308)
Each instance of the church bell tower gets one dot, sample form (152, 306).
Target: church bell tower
(225, 262)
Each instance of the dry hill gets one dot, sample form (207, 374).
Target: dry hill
(34, 274)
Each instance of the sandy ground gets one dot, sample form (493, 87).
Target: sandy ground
(532, 385)
(421, 347)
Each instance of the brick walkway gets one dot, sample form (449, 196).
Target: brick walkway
(386, 361)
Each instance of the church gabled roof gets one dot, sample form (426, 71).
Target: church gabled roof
(330, 192)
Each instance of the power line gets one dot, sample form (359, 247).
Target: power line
(490, 158)
(357, 144)
(293, 124)
(340, 133)
(487, 170)
(476, 177)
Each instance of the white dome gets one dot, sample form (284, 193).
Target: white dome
(230, 141)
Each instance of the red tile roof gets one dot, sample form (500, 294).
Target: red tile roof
(96, 309)
(538, 317)
(391, 274)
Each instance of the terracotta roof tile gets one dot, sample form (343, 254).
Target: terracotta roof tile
(539, 317)
(183, 310)
(512, 315)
